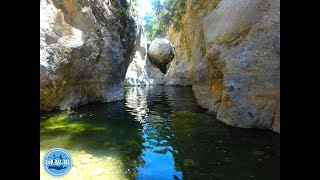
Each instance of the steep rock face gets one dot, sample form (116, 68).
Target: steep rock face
(141, 70)
(230, 51)
(188, 43)
(85, 49)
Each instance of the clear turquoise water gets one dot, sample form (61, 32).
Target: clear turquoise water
(158, 133)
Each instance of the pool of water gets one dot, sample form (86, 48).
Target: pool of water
(157, 132)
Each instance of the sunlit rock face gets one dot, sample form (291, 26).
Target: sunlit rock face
(188, 43)
(230, 52)
(141, 71)
(85, 50)
(247, 52)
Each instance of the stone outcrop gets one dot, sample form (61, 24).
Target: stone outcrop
(85, 49)
(142, 71)
(188, 43)
(161, 53)
(230, 52)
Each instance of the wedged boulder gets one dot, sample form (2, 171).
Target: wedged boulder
(141, 71)
(161, 53)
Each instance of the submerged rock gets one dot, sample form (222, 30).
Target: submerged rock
(97, 172)
(258, 153)
(188, 163)
(85, 160)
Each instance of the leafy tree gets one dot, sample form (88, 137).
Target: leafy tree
(166, 13)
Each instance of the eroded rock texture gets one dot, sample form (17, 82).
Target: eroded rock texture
(230, 52)
(85, 49)
(161, 53)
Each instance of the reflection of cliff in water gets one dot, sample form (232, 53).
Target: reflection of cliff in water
(152, 106)
(168, 99)
(208, 149)
(183, 142)
(157, 132)
(156, 101)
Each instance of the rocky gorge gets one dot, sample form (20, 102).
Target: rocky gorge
(228, 51)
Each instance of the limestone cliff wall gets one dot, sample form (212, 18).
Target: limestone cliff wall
(229, 51)
(188, 43)
(85, 49)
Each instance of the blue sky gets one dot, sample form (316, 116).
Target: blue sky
(144, 6)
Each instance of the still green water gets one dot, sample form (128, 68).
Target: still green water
(157, 132)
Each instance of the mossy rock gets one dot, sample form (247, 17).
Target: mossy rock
(258, 153)
(186, 120)
(189, 163)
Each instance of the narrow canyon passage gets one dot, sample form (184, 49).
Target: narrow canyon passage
(160, 89)
(158, 132)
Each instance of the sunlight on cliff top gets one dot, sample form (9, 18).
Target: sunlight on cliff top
(144, 7)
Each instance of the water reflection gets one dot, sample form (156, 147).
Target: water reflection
(103, 140)
(182, 142)
(157, 158)
(157, 132)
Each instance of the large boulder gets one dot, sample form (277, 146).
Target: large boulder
(161, 52)
(85, 50)
(141, 71)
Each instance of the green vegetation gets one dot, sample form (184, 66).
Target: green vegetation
(166, 13)
(134, 2)
(64, 123)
